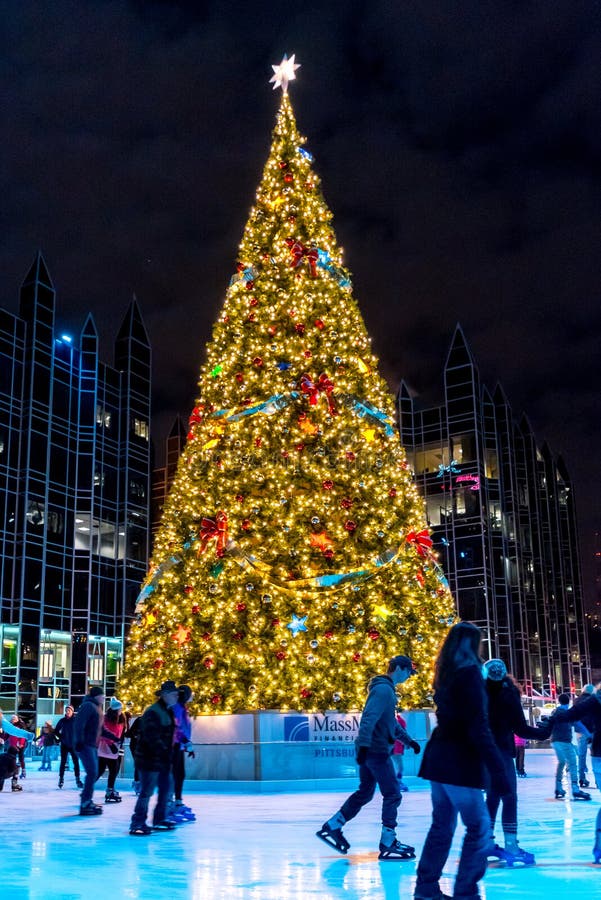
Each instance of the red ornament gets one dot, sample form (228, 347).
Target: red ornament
(253, 301)
(327, 485)
(272, 330)
(258, 442)
(207, 636)
(313, 389)
(275, 623)
(196, 415)
(191, 435)
(239, 498)
(247, 401)
(350, 456)
(421, 540)
(188, 589)
(328, 553)
(237, 635)
(392, 492)
(215, 699)
(288, 177)
(374, 635)
(300, 328)
(300, 447)
(239, 377)
(195, 609)
(350, 525)
(251, 317)
(209, 662)
(257, 361)
(319, 324)
(240, 607)
(158, 664)
(240, 267)
(346, 503)
(356, 657)
(281, 654)
(305, 693)
(292, 219)
(419, 577)
(283, 164)
(250, 285)
(329, 635)
(308, 354)
(285, 454)
(246, 523)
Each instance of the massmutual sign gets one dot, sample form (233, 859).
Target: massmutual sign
(332, 727)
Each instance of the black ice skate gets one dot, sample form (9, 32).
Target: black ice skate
(14, 784)
(584, 783)
(112, 797)
(90, 809)
(559, 794)
(396, 850)
(334, 837)
(61, 782)
(581, 795)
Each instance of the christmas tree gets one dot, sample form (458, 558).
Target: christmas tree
(293, 558)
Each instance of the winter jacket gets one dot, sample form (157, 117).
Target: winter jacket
(462, 746)
(9, 766)
(65, 731)
(46, 737)
(379, 729)
(561, 727)
(183, 724)
(506, 716)
(154, 749)
(591, 707)
(111, 736)
(585, 724)
(88, 723)
(399, 747)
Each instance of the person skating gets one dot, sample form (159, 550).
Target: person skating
(19, 743)
(65, 732)
(584, 728)
(589, 707)
(109, 748)
(182, 748)
(506, 719)
(398, 752)
(88, 725)
(154, 758)
(561, 741)
(378, 731)
(520, 756)
(46, 740)
(455, 761)
(9, 768)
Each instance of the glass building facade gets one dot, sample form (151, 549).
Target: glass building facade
(501, 508)
(74, 501)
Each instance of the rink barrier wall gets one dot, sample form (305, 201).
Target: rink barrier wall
(267, 747)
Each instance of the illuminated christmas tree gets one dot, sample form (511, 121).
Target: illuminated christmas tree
(293, 557)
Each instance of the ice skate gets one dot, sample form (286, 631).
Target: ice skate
(90, 809)
(112, 797)
(396, 850)
(61, 782)
(165, 825)
(334, 837)
(584, 783)
(559, 794)
(23, 774)
(581, 795)
(496, 852)
(14, 784)
(183, 813)
(140, 830)
(516, 854)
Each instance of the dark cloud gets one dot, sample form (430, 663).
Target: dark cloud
(458, 145)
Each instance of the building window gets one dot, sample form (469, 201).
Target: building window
(98, 479)
(491, 464)
(103, 417)
(430, 457)
(35, 514)
(141, 429)
(463, 447)
(137, 489)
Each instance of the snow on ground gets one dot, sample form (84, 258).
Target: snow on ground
(257, 846)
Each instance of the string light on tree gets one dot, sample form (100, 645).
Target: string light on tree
(293, 492)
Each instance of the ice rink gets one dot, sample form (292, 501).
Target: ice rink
(262, 846)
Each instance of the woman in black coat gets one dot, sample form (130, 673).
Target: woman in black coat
(455, 761)
(506, 718)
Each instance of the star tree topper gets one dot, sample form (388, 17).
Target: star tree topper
(285, 72)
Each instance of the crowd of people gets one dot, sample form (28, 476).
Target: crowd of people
(93, 740)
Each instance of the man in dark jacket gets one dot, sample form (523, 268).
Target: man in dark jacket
(378, 731)
(153, 757)
(65, 732)
(584, 728)
(88, 724)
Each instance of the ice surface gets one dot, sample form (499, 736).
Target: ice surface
(257, 846)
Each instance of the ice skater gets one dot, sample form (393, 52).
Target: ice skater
(561, 741)
(589, 707)
(520, 756)
(19, 743)
(9, 768)
(584, 734)
(506, 718)
(455, 760)
(378, 730)
(398, 752)
(154, 758)
(110, 747)
(182, 748)
(65, 732)
(88, 725)
(46, 741)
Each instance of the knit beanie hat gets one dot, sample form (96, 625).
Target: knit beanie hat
(115, 704)
(495, 670)
(96, 691)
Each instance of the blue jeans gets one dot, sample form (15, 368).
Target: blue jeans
(148, 782)
(47, 756)
(509, 813)
(581, 749)
(566, 758)
(378, 768)
(89, 760)
(447, 801)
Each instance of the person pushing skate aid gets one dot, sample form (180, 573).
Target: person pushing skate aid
(378, 731)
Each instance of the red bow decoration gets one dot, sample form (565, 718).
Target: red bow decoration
(421, 540)
(299, 252)
(313, 389)
(214, 528)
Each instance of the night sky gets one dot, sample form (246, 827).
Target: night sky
(459, 148)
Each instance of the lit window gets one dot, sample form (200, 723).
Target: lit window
(141, 429)
(103, 417)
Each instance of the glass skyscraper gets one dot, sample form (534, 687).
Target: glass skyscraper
(501, 507)
(74, 500)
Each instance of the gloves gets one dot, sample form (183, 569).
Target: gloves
(191, 754)
(415, 747)
(361, 755)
